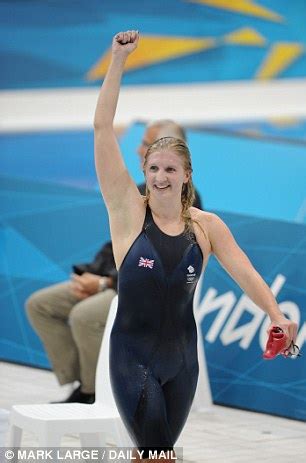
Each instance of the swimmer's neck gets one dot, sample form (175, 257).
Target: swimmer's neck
(165, 211)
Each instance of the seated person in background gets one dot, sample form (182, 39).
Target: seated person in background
(70, 319)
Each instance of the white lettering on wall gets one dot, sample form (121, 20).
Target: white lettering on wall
(227, 323)
(212, 302)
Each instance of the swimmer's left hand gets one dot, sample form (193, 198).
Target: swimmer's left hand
(289, 328)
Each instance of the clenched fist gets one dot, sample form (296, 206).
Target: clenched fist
(125, 42)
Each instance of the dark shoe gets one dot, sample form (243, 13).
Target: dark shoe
(78, 396)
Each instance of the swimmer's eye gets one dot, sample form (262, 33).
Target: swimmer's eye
(168, 169)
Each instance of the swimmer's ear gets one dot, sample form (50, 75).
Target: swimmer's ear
(187, 176)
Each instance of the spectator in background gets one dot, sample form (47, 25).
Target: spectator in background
(70, 317)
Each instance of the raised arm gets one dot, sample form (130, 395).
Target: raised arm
(237, 264)
(115, 183)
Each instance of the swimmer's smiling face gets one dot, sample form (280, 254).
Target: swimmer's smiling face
(165, 173)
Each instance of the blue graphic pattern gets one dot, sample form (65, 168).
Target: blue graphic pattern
(55, 44)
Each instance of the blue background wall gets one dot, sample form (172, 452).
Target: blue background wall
(52, 215)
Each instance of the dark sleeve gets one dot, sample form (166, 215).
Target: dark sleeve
(114, 276)
(197, 201)
(142, 189)
(103, 264)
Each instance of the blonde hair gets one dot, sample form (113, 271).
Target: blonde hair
(188, 194)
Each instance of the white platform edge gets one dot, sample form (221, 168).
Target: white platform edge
(73, 108)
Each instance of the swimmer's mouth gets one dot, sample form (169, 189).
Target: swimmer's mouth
(161, 188)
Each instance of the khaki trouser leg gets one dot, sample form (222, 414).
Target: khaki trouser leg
(48, 311)
(87, 320)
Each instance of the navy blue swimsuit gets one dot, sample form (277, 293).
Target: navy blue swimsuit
(153, 346)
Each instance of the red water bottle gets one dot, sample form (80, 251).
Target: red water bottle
(276, 344)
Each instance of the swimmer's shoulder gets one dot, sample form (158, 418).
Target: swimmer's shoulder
(206, 219)
(204, 224)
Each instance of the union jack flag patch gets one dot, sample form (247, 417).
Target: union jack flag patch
(144, 262)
